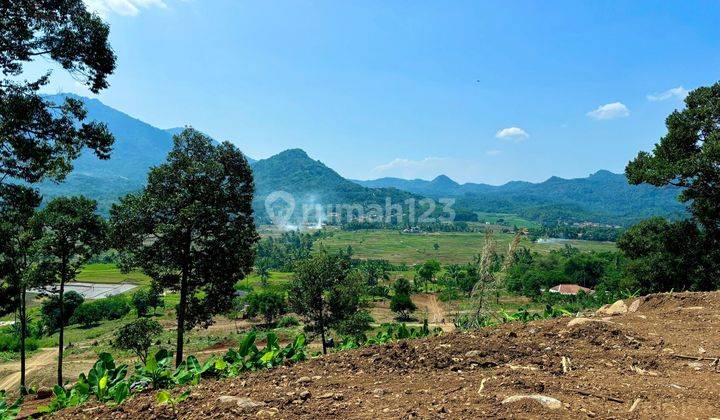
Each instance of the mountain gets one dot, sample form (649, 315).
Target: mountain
(138, 146)
(601, 197)
(311, 182)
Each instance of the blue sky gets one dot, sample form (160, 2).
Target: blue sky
(480, 91)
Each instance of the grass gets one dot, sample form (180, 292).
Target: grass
(109, 273)
(454, 247)
(506, 219)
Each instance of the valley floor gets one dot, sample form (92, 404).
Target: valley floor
(660, 361)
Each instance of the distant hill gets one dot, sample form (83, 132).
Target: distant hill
(138, 146)
(603, 197)
(311, 182)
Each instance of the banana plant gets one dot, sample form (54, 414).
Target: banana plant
(64, 399)
(105, 376)
(157, 371)
(9, 412)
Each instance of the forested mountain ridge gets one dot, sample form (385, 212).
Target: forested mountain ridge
(603, 196)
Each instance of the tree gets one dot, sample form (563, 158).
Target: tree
(263, 270)
(267, 303)
(426, 272)
(87, 315)
(324, 292)
(687, 157)
(138, 336)
(401, 303)
(70, 233)
(191, 229)
(17, 268)
(40, 139)
(145, 299)
(50, 310)
(356, 325)
(664, 255)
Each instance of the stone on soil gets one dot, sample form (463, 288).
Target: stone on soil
(547, 402)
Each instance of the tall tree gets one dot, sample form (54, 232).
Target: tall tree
(40, 139)
(324, 292)
(688, 156)
(17, 208)
(191, 228)
(69, 233)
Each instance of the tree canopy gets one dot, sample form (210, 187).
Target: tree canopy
(191, 228)
(38, 138)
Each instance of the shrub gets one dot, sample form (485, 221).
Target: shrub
(402, 305)
(145, 299)
(288, 321)
(51, 309)
(355, 326)
(11, 343)
(87, 314)
(113, 307)
(138, 336)
(266, 303)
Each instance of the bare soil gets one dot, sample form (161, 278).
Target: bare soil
(658, 362)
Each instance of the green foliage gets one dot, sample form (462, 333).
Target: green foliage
(391, 332)
(687, 157)
(92, 312)
(325, 292)
(288, 321)
(145, 299)
(355, 326)
(105, 380)
(283, 252)
(666, 256)
(267, 303)
(87, 315)
(138, 336)
(425, 273)
(39, 139)
(11, 343)
(9, 411)
(531, 273)
(401, 303)
(51, 309)
(63, 398)
(164, 397)
(198, 207)
(155, 371)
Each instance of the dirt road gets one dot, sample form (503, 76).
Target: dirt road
(428, 303)
(43, 359)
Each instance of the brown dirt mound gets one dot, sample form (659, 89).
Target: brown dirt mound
(658, 362)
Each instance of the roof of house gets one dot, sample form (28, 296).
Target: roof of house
(570, 289)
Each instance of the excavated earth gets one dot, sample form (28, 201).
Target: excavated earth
(657, 360)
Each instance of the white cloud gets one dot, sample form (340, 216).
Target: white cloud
(512, 133)
(122, 7)
(408, 168)
(677, 93)
(493, 152)
(610, 111)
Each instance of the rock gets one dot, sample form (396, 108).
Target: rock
(473, 353)
(379, 392)
(545, 401)
(338, 396)
(616, 308)
(304, 380)
(326, 395)
(242, 402)
(264, 414)
(635, 305)
(305, 395)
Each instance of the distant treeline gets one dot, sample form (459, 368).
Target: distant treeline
(588, 233)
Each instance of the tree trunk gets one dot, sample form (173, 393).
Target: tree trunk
(181, 318)
(322, 330)
(62, 328)
(23, 334)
